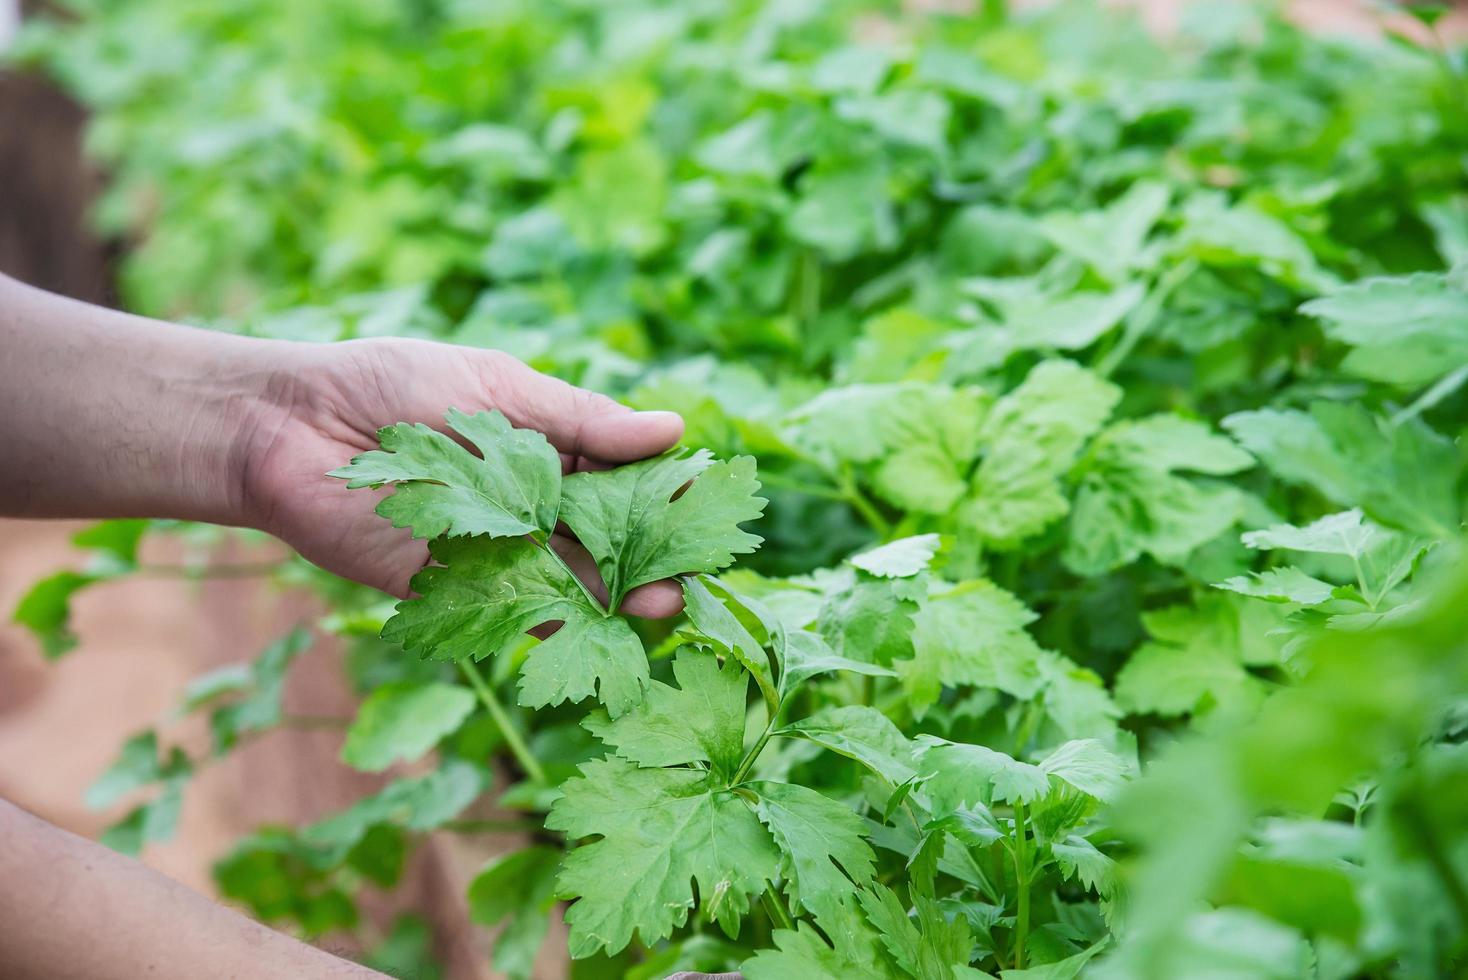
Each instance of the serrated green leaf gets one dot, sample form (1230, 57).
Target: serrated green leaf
(933, 947)
(1030, 439)
(816, 835)
(1110, 239)
(155, 821)
(972, 634)
(959, 775)
(486, 592)
(919, 438)
(416, 803)
(512, 487)
(1079, 859)
(1194, 665)
(700, 720)
(1067, 969)
(1405, 330)
(1131, 501)
(400, 722)
(898, 933)
(902, 558)
(804, 953)
(1334, 534)
(1402, 475)
(587, 656)
(640, 529)
(1034, 318)
(1076, 699)
(119, 539)
(807, 655)
(1284, 584)
(252, 691)
(1381, 559)
(871, 620)
(1241, 234)
(861, 733)
(1088, 766)
(137, 765)
(727, 634)
(45, 610)
(659, 830)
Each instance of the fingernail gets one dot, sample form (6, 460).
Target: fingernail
(649, 421)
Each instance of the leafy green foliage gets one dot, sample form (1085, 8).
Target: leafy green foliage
(701, 720)
(403, 721)
(45, 609)
(1404, 330)
(661, 830)
(519, 887)
(639, 528)
(486, 591)
(512, 487)
(1107, 394)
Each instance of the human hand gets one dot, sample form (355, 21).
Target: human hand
(325, 404)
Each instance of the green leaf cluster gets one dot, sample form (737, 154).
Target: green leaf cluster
(1108, 394)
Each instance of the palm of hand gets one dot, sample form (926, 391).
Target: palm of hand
(331, 410)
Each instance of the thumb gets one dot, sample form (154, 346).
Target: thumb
(580, 422)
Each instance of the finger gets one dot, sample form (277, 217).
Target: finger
(655, 600)
(372, 551)
(576, 421)
(627, 436)
(579, 560)
(546, 630)
(398, 582)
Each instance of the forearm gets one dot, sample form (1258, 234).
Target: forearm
(73, 910)
(111, 415)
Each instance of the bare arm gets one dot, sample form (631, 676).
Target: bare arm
(108, 415)
(74, 910)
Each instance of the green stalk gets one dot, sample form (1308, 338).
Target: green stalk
(1140, 322)
(749, 759)
(1027, 726)
(605, 610)
(801, 486)
(847, 492)
(1444, 387)
(517, 745)
(775, 906)
(1022, 879)
(863, 506)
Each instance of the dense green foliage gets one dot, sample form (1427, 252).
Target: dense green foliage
(1106, 394)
